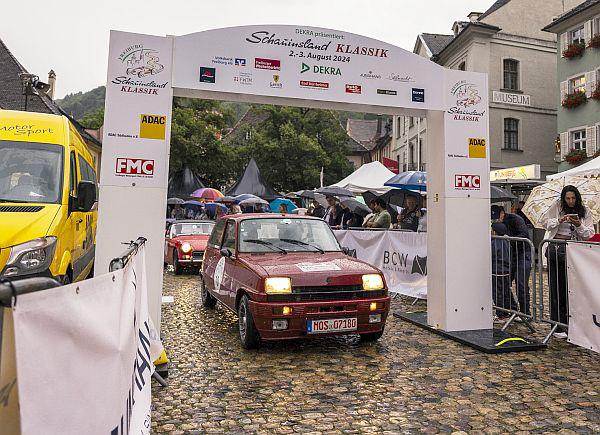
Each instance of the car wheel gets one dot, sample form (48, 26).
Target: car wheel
(208, 300)
(248, 334)
(372, 336)
(176, 266)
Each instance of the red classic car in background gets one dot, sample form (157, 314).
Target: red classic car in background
(185, 244)
(286, 277)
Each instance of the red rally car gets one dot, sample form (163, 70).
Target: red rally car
(287, 277)
(185, 244)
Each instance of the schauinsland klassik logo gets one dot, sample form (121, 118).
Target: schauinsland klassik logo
(138, 64)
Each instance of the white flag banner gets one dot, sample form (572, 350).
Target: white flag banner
(584, 295)
(84, 355)
(401, 256)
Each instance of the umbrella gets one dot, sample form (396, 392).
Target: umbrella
(394, 196)
(501, 195)
(413, 180)
(193, 204)
(291, 195)
(207, 193)
(253, 201)
(245, 196)
(211, 208)
(335, 191)
(276, 203)
(227, 199)
(356, 207)
(310, 194)
(174, 201)
(546, 196)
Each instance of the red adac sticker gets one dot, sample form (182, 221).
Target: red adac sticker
(467, 182)
(134, 167)
(354, 89)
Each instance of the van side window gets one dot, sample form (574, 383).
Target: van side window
(217, 234)
(87, 172)
(73, 175)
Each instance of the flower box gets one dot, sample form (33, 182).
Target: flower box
(573, 100)
(576, 156)
(596, 92)
(574, 50)
(594, 41)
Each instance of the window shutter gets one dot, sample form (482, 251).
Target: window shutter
(589, 82)
(564, 144)
(590, 140)
(564, 43)
(587, 31)
(564, 90)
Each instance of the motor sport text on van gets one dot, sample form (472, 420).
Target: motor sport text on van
(47, 196)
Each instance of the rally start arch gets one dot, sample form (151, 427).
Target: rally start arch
(307, 67)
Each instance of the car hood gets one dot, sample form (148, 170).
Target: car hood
(311, 269)
(198, 242)
(21, 226)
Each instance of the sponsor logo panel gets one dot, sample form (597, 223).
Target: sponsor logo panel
(131, 167)
(354, 89)
(467, 99)
(271, 64)
(314, 85)
(140, 64)
(207, 74)
(402, 78)
(321, 69)
(477, 148)
(243, 78)
(467, 182)
(387, 92)
(370, 75)
(240, 61)
(418, 95)
(223, 60)
(152, 126)
(276, 82)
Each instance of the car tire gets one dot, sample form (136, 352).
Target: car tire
(372, 336)
(249, 337)
(208, 300)
(176, 266)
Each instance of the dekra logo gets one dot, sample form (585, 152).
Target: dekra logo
(321, 69)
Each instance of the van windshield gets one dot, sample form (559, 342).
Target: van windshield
(30, 172)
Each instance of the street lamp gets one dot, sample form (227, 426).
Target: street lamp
(31, 84)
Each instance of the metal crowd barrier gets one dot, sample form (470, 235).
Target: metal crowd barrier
(121, 261)
(513, 261)
(554, 284)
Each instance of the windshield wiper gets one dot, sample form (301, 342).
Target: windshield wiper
(12, 200)
(265, 243)
(300, 242)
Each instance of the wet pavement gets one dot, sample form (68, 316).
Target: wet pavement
(410, 381)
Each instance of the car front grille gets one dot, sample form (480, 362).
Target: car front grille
(326, 293)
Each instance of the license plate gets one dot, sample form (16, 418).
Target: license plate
(331, 325)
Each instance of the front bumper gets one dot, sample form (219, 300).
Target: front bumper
(263, 315)
(43, 274)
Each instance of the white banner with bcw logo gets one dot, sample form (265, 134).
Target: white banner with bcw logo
(584, 295)
(85, 355)
(401, 256)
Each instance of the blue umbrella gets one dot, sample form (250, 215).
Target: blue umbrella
(412, 180)
(193, 204)
(276, 203)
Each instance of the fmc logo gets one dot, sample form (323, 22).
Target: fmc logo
(135, 167)
(467, 182)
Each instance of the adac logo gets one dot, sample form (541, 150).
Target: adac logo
(152, 126)
(477, 148)
(141, 61)
(467, 96)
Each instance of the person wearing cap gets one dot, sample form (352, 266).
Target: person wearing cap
(520, 254)
(501, 267)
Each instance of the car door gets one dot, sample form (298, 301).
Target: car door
(86, 227)
(77, 219)
(170, 233)
(212, 255)
(229, 274)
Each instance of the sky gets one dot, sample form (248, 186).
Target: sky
(71, 36)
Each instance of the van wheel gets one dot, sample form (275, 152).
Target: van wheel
(208, 300)
(248, 334)
(176, 266)
(372, 336)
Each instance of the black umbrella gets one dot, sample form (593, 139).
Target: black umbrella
(174, 201)
(356, 207)
(394, 196)
(500, 195)
(227, 199)
(335, 191)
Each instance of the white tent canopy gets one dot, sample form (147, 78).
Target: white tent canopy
(589, 169)
(371, 176)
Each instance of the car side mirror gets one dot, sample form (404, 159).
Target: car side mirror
(86, 195)
(225, 252)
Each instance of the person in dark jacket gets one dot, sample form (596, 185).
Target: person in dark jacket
(520, 254)
(334, 213)
(501, 267)
(318, 210)
(408, 219)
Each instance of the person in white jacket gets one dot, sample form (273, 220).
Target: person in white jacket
(568, 220)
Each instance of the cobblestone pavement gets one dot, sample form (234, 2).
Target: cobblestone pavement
(410, 381)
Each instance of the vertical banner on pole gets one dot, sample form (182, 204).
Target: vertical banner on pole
(135, 152)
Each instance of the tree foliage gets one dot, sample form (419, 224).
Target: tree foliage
(93, 119)
(80, 104)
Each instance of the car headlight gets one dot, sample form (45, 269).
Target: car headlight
(372, 281)
(279, 285)
(30, 257)
(186, 247)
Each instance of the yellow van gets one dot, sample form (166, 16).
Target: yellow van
(47, 198)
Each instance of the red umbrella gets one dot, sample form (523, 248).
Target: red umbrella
(207, 193)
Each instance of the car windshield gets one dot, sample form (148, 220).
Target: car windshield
(30, 172)
(192, 228)
(289, 234)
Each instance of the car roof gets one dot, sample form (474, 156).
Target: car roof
(244, 216)
(193, 221)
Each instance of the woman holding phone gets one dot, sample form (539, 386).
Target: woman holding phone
(570, 220)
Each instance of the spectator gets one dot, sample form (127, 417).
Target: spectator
(333, 215)
(569, 220)
(501, 283)
(259, 208)
(283, 208)
(219, 213)
(409, 217)
(370, 216)
(236, 209)
(519, 212)
(520, 254)
(318, 210)
(178, 212)
(382, 217)
(423, 216)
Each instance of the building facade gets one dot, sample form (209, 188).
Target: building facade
(507, 43)
(578, 76)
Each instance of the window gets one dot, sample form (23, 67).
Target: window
(411, 122)
(578, 140)
(73, 175)
(577, 84)
(511, 134)
(462, 66)
(576, 36)
(511, 74)
(229, 241)
(217, 234)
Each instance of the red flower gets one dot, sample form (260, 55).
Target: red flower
(575, 99)
(574, 50)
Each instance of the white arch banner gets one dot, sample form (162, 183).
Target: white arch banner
(310, 67)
